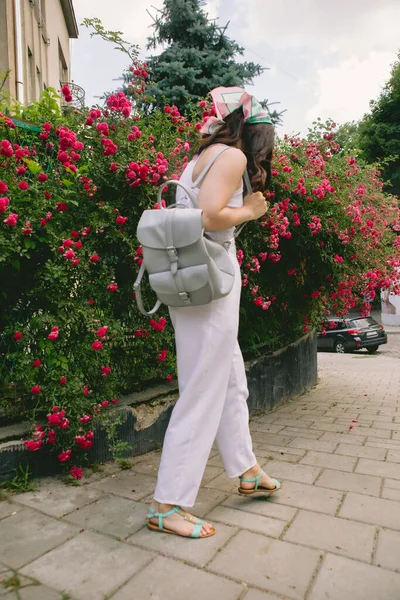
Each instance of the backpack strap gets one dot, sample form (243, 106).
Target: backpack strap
(138, 294)
(208, 166)
(246, 181)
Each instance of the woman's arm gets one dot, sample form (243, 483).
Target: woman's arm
(217, 189)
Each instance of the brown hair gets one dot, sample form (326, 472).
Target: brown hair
(255, 140)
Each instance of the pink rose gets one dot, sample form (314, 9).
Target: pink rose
(4, 202)
(11, 220)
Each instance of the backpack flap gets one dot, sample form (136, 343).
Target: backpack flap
(178, 227)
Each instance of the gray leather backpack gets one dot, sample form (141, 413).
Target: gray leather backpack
(185, 266)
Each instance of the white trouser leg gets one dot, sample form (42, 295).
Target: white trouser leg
(233, 436)
(205, 342)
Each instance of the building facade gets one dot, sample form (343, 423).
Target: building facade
(35, 45)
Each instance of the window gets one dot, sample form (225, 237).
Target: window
(63, 67)
(363, 323)
(31, 77)
(38, 81)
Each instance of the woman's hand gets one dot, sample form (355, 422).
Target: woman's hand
(256, 204)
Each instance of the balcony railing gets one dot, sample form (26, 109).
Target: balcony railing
(77, 93)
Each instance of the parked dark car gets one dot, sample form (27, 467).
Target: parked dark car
(351, 333)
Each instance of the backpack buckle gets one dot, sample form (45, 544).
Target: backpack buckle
(172, 253)
(184, 296)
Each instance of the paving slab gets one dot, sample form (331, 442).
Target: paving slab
(261, 506)
(89, 566)
(128, 484)
(272, 565)
(307, 434)
(344, 579)
(390, 494)
(293, 472)
(8, 508)
(257, 595)
(350, 482)
(340, 536)
(28, 534)
(167, 579)
(269, 427)
(329, 461)
(361, 451)
(393, 456)
(195, 552)
(317, 445)
(114, 515)
(379, 468)
(346, 438)
(272, 438)
(388, 550)
(311, 497)
(55, 499)
(245, 520)
(377, 511)
(38, 592)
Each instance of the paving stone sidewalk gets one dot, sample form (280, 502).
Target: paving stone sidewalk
(331, 533)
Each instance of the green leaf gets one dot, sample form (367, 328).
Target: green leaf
(67, 182)
(33, 166)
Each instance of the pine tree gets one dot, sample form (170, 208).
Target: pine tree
(199, 55)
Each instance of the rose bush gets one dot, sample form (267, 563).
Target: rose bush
(71, 338)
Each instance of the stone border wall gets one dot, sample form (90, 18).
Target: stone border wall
(273, 379)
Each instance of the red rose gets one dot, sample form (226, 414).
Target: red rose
(17, 335)
(36, 363)
(4, 202)
(76, 472)
(97, 345)
(33, 445)
(65, 456)
(22, 185)
(35, 389)
(63, 380)
(94, 258)
(42, 177)
(102, 331)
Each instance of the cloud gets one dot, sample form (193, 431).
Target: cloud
(346, 89)
(331, 27)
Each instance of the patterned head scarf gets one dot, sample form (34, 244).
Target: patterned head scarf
(228, 99)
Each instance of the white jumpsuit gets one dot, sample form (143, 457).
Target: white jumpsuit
(212, 389)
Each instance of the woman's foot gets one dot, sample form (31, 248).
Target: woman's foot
(264, 481)
(181, 522)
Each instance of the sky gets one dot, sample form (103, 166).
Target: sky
(324, 58)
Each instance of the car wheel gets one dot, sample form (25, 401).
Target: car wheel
(372, 349)
(340, 347)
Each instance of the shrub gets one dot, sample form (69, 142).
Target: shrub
(71, 338)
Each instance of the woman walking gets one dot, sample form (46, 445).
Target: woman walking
(212, 380)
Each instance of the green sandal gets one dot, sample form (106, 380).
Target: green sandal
(257, 489)
(198, 525)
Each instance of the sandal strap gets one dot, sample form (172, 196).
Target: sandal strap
(152, 514)
(197, 529)
(255, 480)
